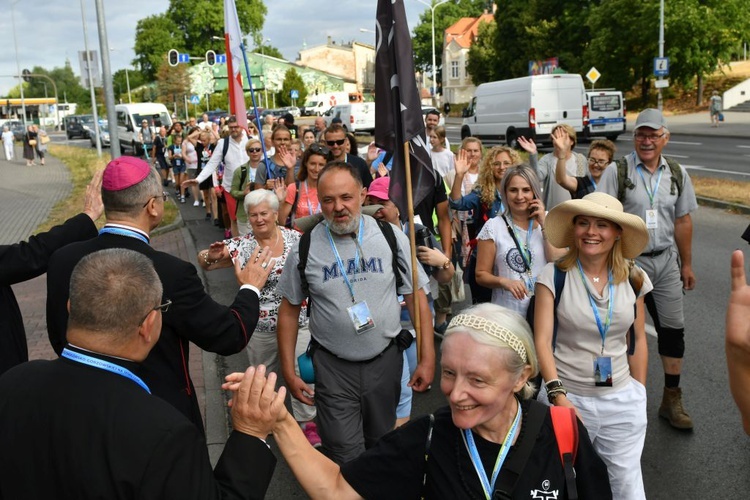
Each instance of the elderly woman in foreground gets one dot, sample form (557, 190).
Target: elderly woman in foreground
(487, 360)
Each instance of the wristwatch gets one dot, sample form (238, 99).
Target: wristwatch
(447, 264)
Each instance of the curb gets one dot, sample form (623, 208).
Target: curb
(725, 205)
(178, 223)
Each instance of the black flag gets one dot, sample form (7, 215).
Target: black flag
(398, 110)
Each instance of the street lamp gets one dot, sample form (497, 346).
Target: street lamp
(91, 84)
(263, 71)
(127, 79)
(18, 64)
(432, 7)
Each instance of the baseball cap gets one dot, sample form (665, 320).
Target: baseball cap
(651, 118)
(124, 172)
(379, 188)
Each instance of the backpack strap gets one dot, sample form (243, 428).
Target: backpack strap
(290, 220)
(225, 148)
(304, 249)
(428, 442)
(560, 276)
(565, 425)
(514, 466)
(387, 229)
(677, 177)
(631, 331)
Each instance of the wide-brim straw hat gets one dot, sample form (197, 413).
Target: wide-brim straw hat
(558, 225)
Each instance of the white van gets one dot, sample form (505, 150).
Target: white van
(358, 117)
(318, 104)
(530, 106)
(129, 119)
(606, 114)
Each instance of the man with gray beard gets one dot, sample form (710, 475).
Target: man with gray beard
(354, 318)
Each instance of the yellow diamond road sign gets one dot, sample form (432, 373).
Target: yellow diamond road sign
(593, 75)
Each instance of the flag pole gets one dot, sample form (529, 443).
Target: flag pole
(417, 319)
(255, 111)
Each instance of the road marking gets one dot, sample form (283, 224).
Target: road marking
(684, 143)
(678, 156)
(744, 147)
(707, 169)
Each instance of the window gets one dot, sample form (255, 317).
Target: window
(454, 69)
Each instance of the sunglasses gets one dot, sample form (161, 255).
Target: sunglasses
(254, 150)
(340, 142)
(318, 149)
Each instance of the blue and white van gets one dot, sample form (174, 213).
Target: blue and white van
(606, 110)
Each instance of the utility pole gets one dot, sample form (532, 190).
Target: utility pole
(660, 103)
(109, 95)
(87, 57)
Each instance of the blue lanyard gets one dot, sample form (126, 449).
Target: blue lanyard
(309, 205)
(651, 194)
(603, 328)
(123, 231)
(104, 365)
(487, 486)
(339, 262)
(525, 249)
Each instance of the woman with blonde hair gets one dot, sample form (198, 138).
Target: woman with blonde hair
(591, 339)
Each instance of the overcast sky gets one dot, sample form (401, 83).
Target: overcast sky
(49, 31)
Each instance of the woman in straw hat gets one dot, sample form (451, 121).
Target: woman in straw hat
(585, 337)
(466, 449)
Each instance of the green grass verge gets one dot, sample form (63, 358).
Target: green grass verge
(81, 164)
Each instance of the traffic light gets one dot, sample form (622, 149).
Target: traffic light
(210, 57)
(173, 57)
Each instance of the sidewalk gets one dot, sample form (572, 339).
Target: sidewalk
(735, 124)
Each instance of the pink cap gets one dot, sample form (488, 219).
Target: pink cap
(379, 188)
(124, 172)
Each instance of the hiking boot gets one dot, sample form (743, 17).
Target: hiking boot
(671, 409)
(310, 430)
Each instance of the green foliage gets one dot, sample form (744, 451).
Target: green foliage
(68, 86)
(292, 81)
(268, 50)
(120, 83)
(482, 55)
(172, 83)
(188, 26)
(445, 16)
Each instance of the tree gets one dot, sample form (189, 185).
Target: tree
(172, 83)
(120, 82)
(481, 66)
(445, 16)
(199, 20)
(268, 50)
(292, 81)
(154, 37)
(68, 86)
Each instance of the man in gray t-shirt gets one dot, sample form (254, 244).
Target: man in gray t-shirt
(653, 194)
(354, 319)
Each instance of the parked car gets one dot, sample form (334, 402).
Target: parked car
(103, 135)
(129, 119)
(358, 117)
(74, 126)
(216, 114)
(17, 128)
(87, 121)
(294, 110)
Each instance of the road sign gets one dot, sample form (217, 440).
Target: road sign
(661, 84)
(184, 58)
(661, 66)
(221, 58)
(195, 99)
(593, 75)
(294, 94)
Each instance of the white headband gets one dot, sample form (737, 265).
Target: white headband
(491, 328)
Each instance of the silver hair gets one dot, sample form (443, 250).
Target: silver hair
(511, 323)
(111, 291)
(259, 196)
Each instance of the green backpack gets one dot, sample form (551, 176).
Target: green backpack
(624, 182)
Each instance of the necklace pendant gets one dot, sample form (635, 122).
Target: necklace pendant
(596, 280)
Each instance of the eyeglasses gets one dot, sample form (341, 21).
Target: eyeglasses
(254, 150)
(232, 127)
(321, 150)
(498, 164)
(163, 196)
(340, 142)
(649, 137)
(161, 307)
(598, 163)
